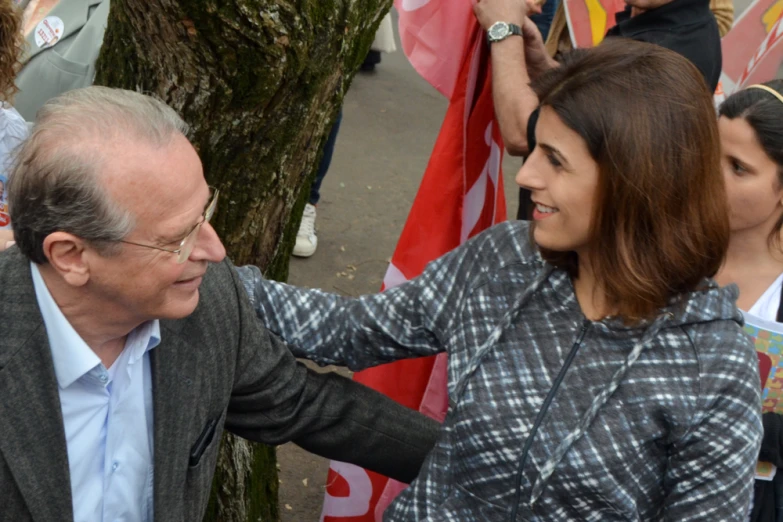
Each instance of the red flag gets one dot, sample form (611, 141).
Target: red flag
(460, 195)
(435, 35)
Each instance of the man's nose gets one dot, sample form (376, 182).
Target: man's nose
(208, 246)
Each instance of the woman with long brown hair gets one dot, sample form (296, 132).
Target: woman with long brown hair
(596, 372)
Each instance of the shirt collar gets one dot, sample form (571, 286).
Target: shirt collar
(143, 339)
(71, 356)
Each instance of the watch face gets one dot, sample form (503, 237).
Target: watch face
(498, 31)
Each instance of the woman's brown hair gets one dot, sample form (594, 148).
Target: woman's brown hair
(11, 45)
(660, 223)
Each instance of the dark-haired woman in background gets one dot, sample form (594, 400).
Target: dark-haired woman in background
(595, 371)
(13, 129)
(751, 131)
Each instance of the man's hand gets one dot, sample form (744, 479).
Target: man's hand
(534, 6)
(6, 239)
(537, 59)
(510, 11)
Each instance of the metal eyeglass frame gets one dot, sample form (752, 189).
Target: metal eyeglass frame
(187, 244)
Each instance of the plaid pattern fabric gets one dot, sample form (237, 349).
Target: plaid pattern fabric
(659, 421)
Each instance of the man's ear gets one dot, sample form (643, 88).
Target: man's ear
(66, 254)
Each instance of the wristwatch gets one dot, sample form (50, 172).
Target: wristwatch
(502, 30)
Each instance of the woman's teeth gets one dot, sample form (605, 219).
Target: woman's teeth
(544, 209)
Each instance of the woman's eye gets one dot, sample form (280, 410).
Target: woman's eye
(553, 161)
(738, 168)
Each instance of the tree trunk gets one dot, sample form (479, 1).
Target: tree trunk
(260, 83)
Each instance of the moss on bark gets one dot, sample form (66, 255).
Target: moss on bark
(259, 82)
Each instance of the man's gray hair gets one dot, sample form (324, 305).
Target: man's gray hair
(55, 181)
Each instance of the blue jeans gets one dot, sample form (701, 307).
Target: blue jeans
(544, 20)
(326, 160)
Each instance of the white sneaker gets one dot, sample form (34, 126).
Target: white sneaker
(306, 240)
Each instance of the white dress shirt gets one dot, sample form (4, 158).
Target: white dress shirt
(767, 305)
(108, 418)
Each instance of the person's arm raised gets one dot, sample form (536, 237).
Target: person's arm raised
(515, 62)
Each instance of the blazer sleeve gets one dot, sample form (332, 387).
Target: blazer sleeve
(275, 399)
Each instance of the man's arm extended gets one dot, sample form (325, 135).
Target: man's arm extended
(515, 62)
(276, 399)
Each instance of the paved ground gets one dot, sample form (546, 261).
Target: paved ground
(391, 120)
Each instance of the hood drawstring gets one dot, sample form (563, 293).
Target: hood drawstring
(493, 338)
(549, 467)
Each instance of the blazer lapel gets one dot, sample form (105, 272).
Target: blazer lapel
(73, 13)
(32, 436)
(174, 371)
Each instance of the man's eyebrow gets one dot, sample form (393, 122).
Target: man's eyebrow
(173, 238)
(179, 236)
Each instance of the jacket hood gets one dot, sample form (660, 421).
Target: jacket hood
(706, 304)
(710, 304)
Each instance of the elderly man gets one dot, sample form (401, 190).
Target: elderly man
(128, 344)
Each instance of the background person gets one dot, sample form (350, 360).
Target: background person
(13, 129)
(751, 130)
(56, 63)
(559, 41)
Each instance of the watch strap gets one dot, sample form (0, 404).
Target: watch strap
(513, 30)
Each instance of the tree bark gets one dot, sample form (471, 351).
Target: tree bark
(260, 83)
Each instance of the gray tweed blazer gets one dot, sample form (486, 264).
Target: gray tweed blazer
(218, 368)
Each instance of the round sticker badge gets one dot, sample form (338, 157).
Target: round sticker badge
(49, 31)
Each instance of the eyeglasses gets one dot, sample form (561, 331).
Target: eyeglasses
(187, 244)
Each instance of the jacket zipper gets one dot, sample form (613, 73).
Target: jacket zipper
(540, 417)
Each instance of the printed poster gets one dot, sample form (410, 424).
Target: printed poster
(752, 50)
(5, 218)
(768, 338)
(588, 20)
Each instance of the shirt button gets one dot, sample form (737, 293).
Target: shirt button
(115, 466)
(104, 378)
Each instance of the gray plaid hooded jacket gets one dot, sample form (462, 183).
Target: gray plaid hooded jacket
(551, 417)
